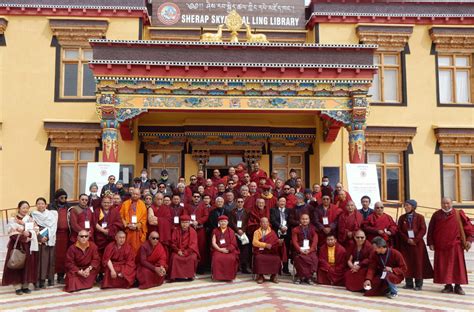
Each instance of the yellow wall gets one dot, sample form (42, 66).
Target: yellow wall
(27, 99)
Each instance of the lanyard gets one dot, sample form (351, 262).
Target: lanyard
(384, 263)
(410, 220)
(106, 215)
(86, 215)
(239, 214)
(263, 235)
(325, 211)
(305, 233)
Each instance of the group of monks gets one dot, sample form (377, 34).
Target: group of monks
(254, 223)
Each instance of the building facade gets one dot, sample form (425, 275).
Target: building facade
(132, 81)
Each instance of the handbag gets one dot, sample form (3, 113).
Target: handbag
(17, 257)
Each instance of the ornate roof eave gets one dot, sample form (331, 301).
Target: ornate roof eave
(460, 140)
(449, 39)
(389, 38)
(3, 25)
(389, 138)
(75, 11)
(68, 134)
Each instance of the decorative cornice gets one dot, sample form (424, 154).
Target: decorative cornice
(388, 38)
(455, 140)
(448, 39)
(77, 32)
(73, 135)
(388, 138)
(3, 25)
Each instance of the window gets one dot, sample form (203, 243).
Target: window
(169, 160)
(77, 79)
(284, 162)
(389, 172)
(458, 177)
(454, 72)
(72, 170)
(386, 86)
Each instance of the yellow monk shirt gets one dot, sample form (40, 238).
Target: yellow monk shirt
(332, 255)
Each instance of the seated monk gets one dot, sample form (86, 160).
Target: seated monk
(152, 262)
(184, 251)
(380, 224)
(304, 239)
(358, 254)
(349, 222)
(386, 269)
(119, 263)
(82, 263)
(268, 251)
(225, 252)
(332, 263)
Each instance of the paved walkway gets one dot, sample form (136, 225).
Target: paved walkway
(241, 295)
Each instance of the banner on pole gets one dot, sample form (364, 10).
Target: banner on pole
(362, 180)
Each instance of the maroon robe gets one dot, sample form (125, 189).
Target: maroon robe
(332, 213)
(123, 261)
(176, 211)
(186, 241)
(114, 224)
(255, 176)
(305, 264)
(149, 258)
(225, 266)
(62, 241)
(374, 223)
(249, 203)
(29, 273)
(415, 256)
(444, 235)
(268, 261)
(77, 259)
(77, 219)
(332, 274)
(290, 201)
(201, 214)
(376, 267)
(270, 202)
(355, 280)
(254, 219)
(165, 223)
(348, 223)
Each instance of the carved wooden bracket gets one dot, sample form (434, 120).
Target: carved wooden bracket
(73, 135)
(448, 39)
(455, 140)
(74, 32)
(388, 38)
(388, 138)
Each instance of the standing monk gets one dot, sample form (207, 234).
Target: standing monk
(160, 220)
(358, 255)
(386, 269)
(82, 263)
(133, 213)
(349, 223)
(184, 251)
(108, 224)
(325, 218)
(304, 239)
(450, 233)
(332, 262)
(199, 214)
(152, 262)
(119, 263)
(225, 252)
(380, 224)
(81, 218)
(411, 230)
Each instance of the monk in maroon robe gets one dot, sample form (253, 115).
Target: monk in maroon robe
(332, 263)
(268, 252)
(225, 252)
(257, 174)
(349, 222)
(184, 251)
(258, 212)
(325, 219)
(152, 262)
(411, 230)
(108, 224)
(445, 237)
(81, 217)
(357, 254)
(160, 219)
(199, 214)
(119, 263)
(304, 239)
(380, 224)
(386, 269)
(82, 263)
(176, 209)
(270, 200)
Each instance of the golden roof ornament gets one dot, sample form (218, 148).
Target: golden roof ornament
(211, 37)
(254, 37)
(234, 23)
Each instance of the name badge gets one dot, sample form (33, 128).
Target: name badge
(181, 204)
(134, 219)
(261, 249)
(87, 224)
(222, 241)
(239, 223)
(176, 220)
(384, 275)
(411, 234)
(193, 217)
(104, 225)
(283, 222)
(305, 243)
(325, 220)
(29, 226)
(91, 208)
(356, 262)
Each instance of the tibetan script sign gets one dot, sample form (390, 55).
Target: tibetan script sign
(260, 14)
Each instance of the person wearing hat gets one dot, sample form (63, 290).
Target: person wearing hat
(184, 256)
(111, 187)
(270, 200)
(292, 180)
(62, 232)
(94, 199)
(225, 252)
(411, 230)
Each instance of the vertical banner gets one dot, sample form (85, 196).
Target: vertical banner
(362, 180)
(99, 173)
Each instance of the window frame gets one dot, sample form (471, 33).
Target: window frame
(458, 167)
(288, 166)
(384, 166)
(164, 165)
(453, 68)
(77, 163)
(400, 66)
(80, 61)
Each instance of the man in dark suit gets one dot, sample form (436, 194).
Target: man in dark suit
(279, 222)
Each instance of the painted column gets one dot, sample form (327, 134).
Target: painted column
(356, 129)
(109, 140)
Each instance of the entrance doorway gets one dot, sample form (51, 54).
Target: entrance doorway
(223, 162)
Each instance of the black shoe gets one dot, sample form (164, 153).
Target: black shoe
(448, 288)
(41, 284)
(458, 290)
(408, 283)
(50, 282)
(19, 292)
(99, 278)
(417, 288)
(245, 271)
(60, 278)
(26, 290)
(408, 286)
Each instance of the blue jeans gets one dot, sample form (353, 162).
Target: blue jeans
(392, 288)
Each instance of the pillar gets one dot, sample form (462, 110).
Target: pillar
(356, 129)
(109, 140)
